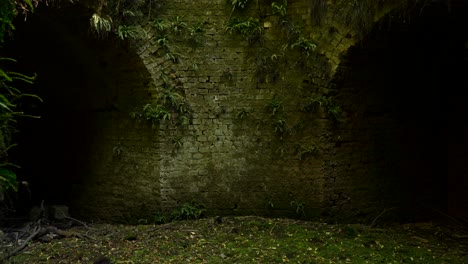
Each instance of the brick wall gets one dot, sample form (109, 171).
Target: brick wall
(251, 147)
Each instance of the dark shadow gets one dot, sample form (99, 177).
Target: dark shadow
(403, 90)
(81, 79)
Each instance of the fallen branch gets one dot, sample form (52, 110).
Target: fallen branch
(36, 231)
(78, 221)
(383, 212)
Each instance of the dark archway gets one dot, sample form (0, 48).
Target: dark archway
(403, 88)
(89, 86)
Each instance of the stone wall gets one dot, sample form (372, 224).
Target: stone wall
(260, 138)
(237, 157)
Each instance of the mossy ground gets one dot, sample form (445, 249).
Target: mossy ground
(254, 240)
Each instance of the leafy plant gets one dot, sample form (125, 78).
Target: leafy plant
(100, 24)
(152, 113)
(177, 141)
(110, 15)
(243, 113)
(275, 105)
(170, 96)
(8, 11)
(358, 15)
(160, 218)
(174, 57)
(280, 126)
(7, 179)
(9, 113)
(333, 109)
(304, 150)
(270, 204)
(117, 150)
(336, 112)
(195, 33)
(314, 102)
(304, 44)
(282, 151)
(250, 28)
(133, 32)
(268, 66)
(160, 25)
(178, 25)
(291, 30)
(227, 74)
(280, 8)
(237, 4)
(299, 207)
(7, 15)
(162, 41)
(183, 119)
(188, 211)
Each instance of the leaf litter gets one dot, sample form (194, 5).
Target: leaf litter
(251, 239)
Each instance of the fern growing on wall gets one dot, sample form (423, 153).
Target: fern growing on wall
(9, 115)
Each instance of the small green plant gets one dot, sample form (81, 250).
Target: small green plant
(291, 30)
(336, 112)
(133, 32)
(152, 113)
(250, 28)
(178, 25)
(237, 4)
(299, 207)
(100, 24)
(243, 113)
(227, 75)
(160, 218)
(177, 141)
(169, 96)
(188, 211)
(281, 151)
(268, 66)
(195, 33)
(7, 179)
(10, 97)
(280, 8)
(160, 25)
(275, 105)
(173, 56)
(117, 150)
(313, 103)
(280, 126)
(305, 45)
(299, 127)
(330, 106)
(270, 204)
(305, 150)
(162, 41)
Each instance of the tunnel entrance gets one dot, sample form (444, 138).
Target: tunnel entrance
(403, 88)
(89, 86)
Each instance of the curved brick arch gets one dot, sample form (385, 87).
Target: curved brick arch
(234, 168)
(85, 151)
(231, 157)
(229, 165)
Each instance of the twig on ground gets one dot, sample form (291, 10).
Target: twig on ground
(78, 221)
(36, 231)
(271, 230)
(383, 212)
